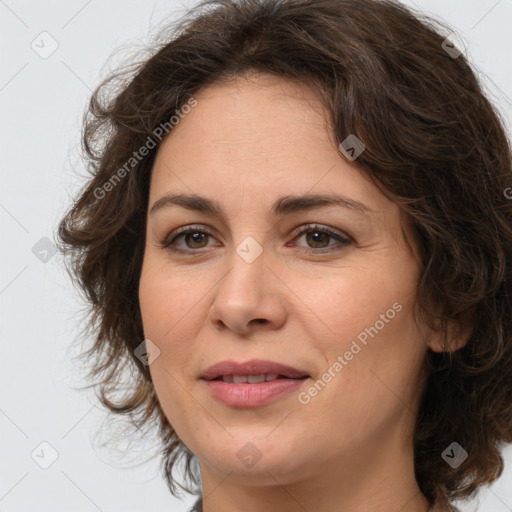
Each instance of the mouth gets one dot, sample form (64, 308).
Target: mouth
(252, 372)
(252, 384)
(254, 379)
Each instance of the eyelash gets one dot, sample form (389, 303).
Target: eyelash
(344, 240)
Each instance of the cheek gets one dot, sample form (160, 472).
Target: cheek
(340, 307)
(365, 317)
(170, 304)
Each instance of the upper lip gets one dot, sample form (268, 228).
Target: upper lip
(252, 367)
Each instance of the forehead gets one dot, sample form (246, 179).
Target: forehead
(248, 118)
(260, 137)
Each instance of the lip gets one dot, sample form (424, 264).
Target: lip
(252, 367)
(252, 395)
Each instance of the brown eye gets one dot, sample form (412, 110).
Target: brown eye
(193, 237)
(194, 240)
(318, 237)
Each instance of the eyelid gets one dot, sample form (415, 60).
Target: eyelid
(168, 239)
(320, 227)
(190, 227)
(297, 231)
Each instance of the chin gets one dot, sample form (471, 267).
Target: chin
(257, 462)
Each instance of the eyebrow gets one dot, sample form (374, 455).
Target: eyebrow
(283, 206)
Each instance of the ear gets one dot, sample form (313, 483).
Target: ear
(458, 333)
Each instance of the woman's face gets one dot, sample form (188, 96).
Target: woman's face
(254, 282)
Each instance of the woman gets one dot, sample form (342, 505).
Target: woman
(297, 233)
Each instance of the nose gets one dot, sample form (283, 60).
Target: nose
(249, 297)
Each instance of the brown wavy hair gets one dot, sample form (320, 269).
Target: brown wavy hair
(435, 145)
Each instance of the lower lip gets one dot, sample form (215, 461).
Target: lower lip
(252, 395)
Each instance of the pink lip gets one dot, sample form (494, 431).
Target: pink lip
(252, 395)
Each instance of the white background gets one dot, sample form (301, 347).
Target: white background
(41, 102)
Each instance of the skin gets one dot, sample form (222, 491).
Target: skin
(248, 142)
